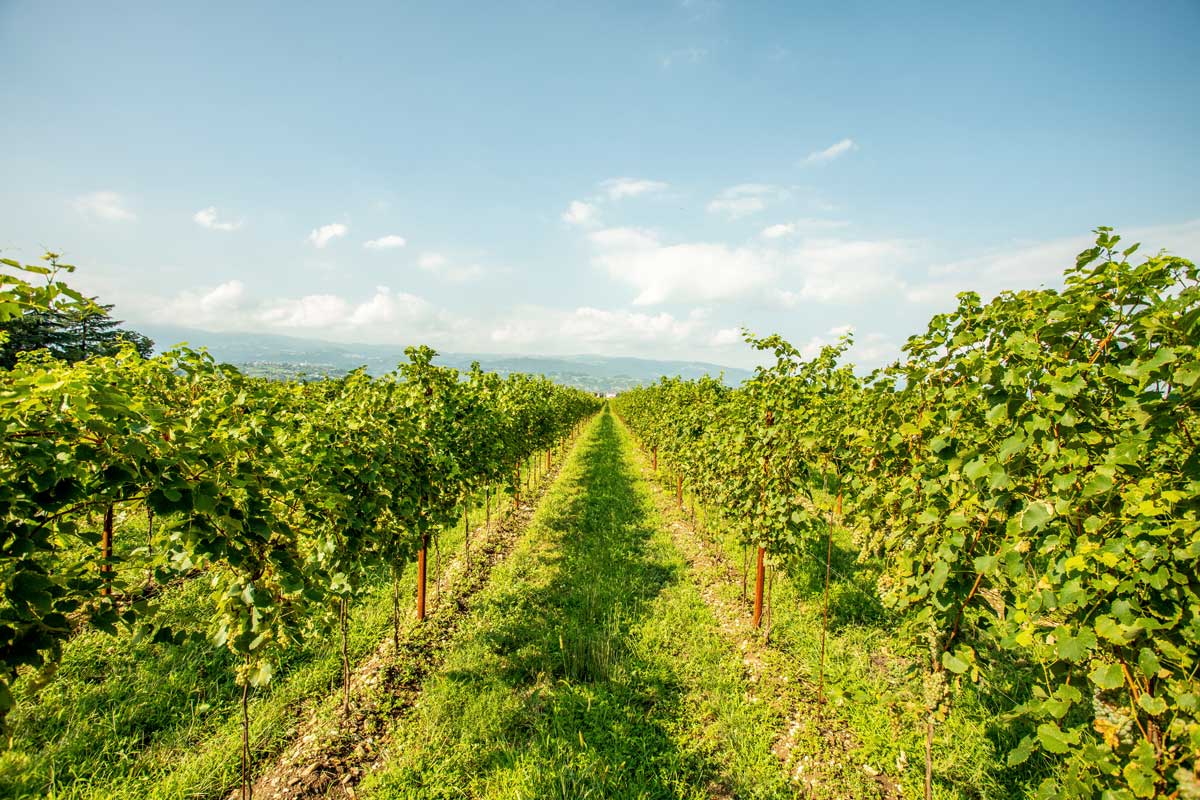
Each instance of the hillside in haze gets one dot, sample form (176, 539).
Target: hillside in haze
(272, 355)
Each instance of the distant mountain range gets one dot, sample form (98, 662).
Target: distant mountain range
(271, 355)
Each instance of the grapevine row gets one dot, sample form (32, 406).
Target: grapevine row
(1027, 474)
(285, 497)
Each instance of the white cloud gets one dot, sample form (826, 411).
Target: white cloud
(386, 242)
(698, 271)
(778, 231)
(580, 213)
(1029, 266)
(386, 307)
(726, 337)
(617, 188)
(310, 311)
(586, 329)
(842, 271)
(384, 316)
(806, 225)
(623, 238)
(815, 270)
(836, 150)
(207, 218)
(106, 206)
(441, 266)
(225, 296)
(745, 199)
(326, 233)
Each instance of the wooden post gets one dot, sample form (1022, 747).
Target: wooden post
(837, 511)
(547, 460)
(679, 491)
(758, 576)
(106, 538)
(758, 589)
(421, 576)
(467, 529)
(517, 490)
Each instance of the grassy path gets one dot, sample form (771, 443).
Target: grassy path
(589, 667)
(866, 741)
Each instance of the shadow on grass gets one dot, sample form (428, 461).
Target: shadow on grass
(561, 703)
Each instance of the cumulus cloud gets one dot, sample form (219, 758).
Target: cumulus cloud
(207, 218)
(326, 233)
(580, 213)
(820, 270)
(310, 311)
(623, 238)
(388, 242)
(687, 272)
(843, 271)
(1032, 265)
(806, 225)
(834, 151)
(383, 316)
(586, 329)
(617, 188)
(725, 337)
(745, 199)
(104, 206)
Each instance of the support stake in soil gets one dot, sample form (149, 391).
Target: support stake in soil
(106, 538)
(421, 576)
(759, 574)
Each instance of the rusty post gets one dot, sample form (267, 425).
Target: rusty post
(656, 458)
(758, 576)
(758, 589)
(837, 512)
(106, 538)
(421, 576)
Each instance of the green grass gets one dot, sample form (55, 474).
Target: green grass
(124, 720)
(590, 666)
(872, 738)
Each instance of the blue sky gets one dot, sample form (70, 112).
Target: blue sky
(620, 178)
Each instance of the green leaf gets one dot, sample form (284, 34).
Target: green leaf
(1152, 705)
(1107, 676)
(1108, 628)
(1035, 516)
(1054, 739)
(1020, 754)
(954, 664)
(1148, 662)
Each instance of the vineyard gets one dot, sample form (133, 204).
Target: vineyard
(1027, 482)
(972, 573)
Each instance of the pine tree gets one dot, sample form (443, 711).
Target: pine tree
(71, 335)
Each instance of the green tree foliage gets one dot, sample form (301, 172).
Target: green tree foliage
(1028, 472)
(69, 331)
